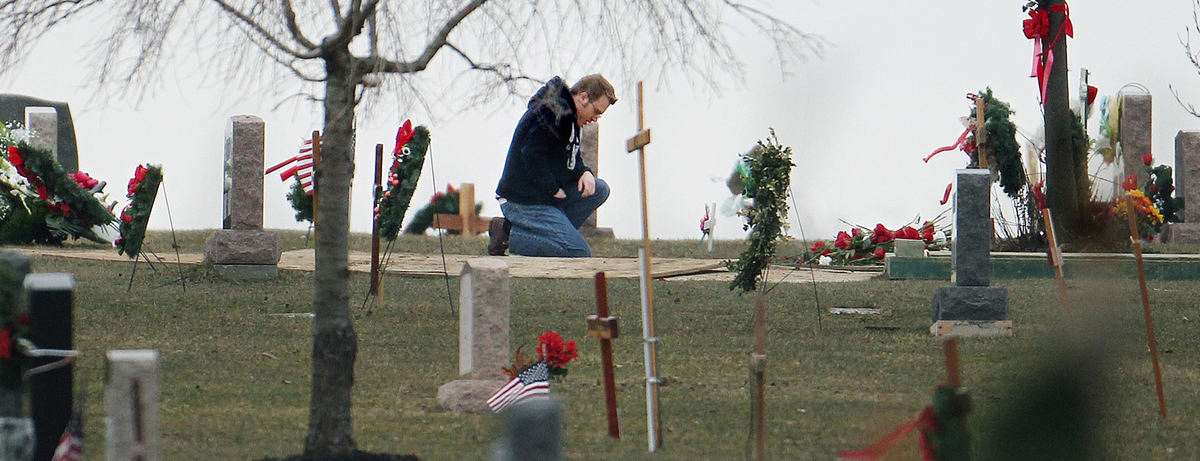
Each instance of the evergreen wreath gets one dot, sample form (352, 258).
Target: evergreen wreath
(770, 177)
(143, 189)
(1001, 144)
(301, 201)
(393, 199)
(71, 209)
(442, 202)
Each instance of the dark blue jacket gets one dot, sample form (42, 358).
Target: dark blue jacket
(544, 154)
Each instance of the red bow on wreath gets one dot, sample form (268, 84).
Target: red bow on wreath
(1037, 27)
(403, 136)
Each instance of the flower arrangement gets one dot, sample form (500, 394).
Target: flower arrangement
(441, 202)
(142, 190)
(863, 246)
(392, 200)
(553, 350)
(69, 206)
(1153, 201)
(767, 184)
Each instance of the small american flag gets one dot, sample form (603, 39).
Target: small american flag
(70, 447)
(529, 384)
(300, 170)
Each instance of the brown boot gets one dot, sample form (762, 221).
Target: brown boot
(498, 230)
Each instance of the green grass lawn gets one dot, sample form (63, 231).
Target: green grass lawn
(235, 378)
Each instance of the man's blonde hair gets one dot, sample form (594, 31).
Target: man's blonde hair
(595, 86)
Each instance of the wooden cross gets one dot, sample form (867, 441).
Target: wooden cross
(638, 142)
(466, 220)
(980, 133)
(374, 290)
(604, 327)
(1056, 261)
(758, 368)
(1137, 252)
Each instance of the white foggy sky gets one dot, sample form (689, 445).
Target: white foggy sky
(888, 90)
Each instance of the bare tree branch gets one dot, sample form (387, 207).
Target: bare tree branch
(289, 15)
(1193, 57)
(262, 32)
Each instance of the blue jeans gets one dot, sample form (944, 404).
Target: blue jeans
(549, 230)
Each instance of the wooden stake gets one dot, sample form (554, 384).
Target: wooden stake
(758, 368)
(1056, 261)
(606, 330)
(980, 132)
(1137, 253)
(950, 347)
(638, 143)
(374, 290)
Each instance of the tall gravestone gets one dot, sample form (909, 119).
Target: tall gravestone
(242, 249)
(1187, 186)
(1135, 135)
(483, 336)
(51, 393)
(589, 146)
(13, 109)
(971, 307)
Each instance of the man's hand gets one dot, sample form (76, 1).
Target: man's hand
(560, 194)
(587, 184)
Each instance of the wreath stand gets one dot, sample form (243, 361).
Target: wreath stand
(181, 280)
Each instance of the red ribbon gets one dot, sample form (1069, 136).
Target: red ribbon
(403, 135)
(923, 421)
(962, 137)
(946, 195)
(1037, 27)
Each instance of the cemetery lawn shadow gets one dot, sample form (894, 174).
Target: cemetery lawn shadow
(235, 363)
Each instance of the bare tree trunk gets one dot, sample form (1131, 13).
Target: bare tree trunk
(335, 344)
(1062, 187)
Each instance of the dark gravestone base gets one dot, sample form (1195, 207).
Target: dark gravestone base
(970, 303)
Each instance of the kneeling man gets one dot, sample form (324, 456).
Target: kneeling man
(545, 191)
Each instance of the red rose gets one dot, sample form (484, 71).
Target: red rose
(1130, 183)
(927, 232)
(878, 253)
(126, 218)
(855, 232)
(14, 157)
(907, 232)
(1147, 159)
(843, 240)
(881, 234)
(819, 244)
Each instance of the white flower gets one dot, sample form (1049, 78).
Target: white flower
(824, 260)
